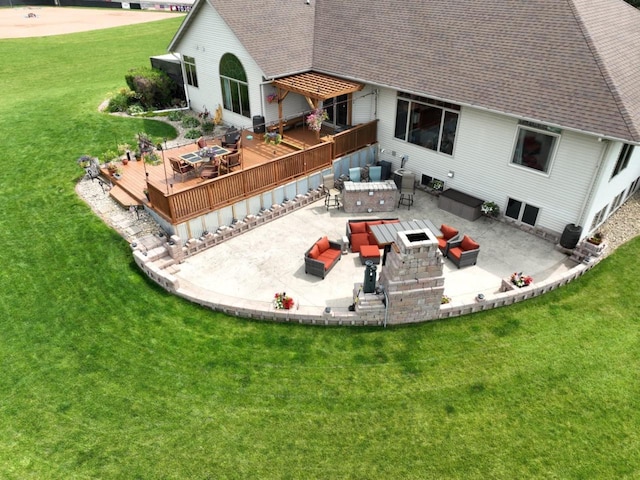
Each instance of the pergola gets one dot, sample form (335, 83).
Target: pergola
(314, 87)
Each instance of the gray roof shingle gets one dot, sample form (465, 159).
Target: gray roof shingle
(572, 63)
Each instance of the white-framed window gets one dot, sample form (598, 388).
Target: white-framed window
(634, 186)
(599, 218)
(190, 71)
(535, 146)
(235, 89)
(426, 122)
(617, 201)
(623, 159)
(522, 211)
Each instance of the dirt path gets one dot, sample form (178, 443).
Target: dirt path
(22, 22)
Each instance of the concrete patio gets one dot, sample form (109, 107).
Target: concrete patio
(250, 268)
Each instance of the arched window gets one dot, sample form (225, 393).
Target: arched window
(235, 89)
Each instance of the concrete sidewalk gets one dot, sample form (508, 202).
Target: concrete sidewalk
(269, 259)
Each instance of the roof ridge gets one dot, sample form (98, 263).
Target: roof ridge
(604, 71)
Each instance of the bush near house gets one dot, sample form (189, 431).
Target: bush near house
(153, 87)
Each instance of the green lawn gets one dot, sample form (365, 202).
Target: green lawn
(104, 375)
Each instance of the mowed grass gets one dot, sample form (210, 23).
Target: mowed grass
(104, 375)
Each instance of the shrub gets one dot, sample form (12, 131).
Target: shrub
(207, 127)
(135, 109)
(193, 134)
(121, 100)
(175, 116)
(153, 87)
(190, 122)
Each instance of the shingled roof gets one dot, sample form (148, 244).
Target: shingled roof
(570, 63)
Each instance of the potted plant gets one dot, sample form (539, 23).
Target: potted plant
(282, 301)
(152, 159)
(84, 161)
(315, 119)
(436, 184)
(596, 238)
(272, 138)
(490, 209)
(520, 280)
(272, 97)
(112, 168)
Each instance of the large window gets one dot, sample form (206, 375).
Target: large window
(522, 211)
(623, 159)
(235, 89)
(534, 147)
(190, 71)
(426, 122)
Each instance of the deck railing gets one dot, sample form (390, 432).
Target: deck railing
(219, 192)
(355, 138)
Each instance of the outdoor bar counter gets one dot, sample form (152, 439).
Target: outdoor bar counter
(362, 197)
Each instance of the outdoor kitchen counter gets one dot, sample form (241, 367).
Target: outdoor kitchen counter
(363, 197)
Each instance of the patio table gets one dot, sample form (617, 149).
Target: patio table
(199, 158)
(386, 233)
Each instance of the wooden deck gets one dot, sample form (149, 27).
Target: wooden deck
(129, 189)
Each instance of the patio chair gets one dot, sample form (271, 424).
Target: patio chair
(375, 173)
(332, 196)
(202, 143)
(449, 235)
(179, 166)
(463, 252)
(233, 160)
(231, 137)
(210, 171)
(354, 174)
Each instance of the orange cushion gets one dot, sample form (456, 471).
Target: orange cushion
(314, 252)
(455, 252)
(390, 221)
(441, 242)
(357, 240)
(329, 256)
(358, 227)
(370, 251)
(372, 239)
(468, 244)
(323, 244)
(373, 223)
(448, 232)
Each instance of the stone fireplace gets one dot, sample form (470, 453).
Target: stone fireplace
(412, 277)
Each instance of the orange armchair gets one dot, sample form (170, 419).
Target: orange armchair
(463, 252)
(449, 235)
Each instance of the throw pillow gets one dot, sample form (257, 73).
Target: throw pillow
(323, 244)
(448, 232)
(373, 224)
(468, 244)
(358, 227)
(314, 252)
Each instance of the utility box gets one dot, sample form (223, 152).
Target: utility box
(369, 285)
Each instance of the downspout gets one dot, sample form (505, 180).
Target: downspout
(595, 180)
(386, 305)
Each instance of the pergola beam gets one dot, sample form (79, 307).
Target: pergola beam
(314, 87)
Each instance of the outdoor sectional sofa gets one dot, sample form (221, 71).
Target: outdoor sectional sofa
(359, 231)
(322, 257)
